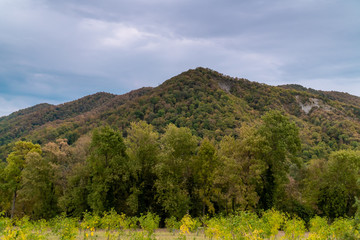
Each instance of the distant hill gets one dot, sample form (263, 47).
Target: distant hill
(333, 95)
(209, 103)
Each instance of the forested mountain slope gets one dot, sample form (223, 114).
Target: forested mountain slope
(200, 143)
(210, 104)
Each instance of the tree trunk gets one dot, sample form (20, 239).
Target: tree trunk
(13, 205)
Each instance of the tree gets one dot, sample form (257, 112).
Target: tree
(143, 149)
(59, 154)
(108, 169)
(239, 172)
(5, 193)
(275, 142)
(37, 193)
(338, 188)
(75, 199)
(204, 165)
(174, 185)
(71, 173)
(312, 181)
(16, 163)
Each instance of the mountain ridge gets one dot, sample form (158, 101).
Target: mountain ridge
(211, 104)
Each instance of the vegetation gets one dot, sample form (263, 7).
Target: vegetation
(175, 173)
(210, 104)
(240, 225)
(201, 153)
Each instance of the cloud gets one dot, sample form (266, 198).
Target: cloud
(11, 103)
(63, 50)
(327, 84)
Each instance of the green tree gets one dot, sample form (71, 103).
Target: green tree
(75, 199)
(174, 185)
(275, 142)
(59, 154)
(72, 174)
(204, 165)
(338, 188)
(108, 168)
(143, 149)
(16, 163)
(37, 193)
(5, 194)
(239, 172)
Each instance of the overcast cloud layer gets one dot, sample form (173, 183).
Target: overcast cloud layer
(60, 50)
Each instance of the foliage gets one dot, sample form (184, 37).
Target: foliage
(188, 224)
(319, 228)
(89, 224)
(340, 187)
(277, 148)
(64, 227)
(240, 226)
(343, 228)
(149, 223)
(172, 224)
(294, 228)
(173, 172)
(201, 143)
(272, 220)
(204, 167)
(111, 222)
(17, 163)
(143, 149)
(331, 186)
(238, 174)
(108, 171)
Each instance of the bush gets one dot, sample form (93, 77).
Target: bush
(111, 222)
(172, 224)
(319, 229)
(294, 228)
(272, 221)
(149, 223)
(343, 228)
(66, 228)
(188, 224)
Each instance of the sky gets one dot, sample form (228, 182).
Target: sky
(56, 51)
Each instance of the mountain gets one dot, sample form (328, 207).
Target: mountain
(209, 103)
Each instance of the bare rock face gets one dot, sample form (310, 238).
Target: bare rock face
(226, 86)
(312, 103)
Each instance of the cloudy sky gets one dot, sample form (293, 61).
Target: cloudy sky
(56, 51)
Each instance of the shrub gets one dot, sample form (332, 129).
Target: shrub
(66, 228)
(110, 222)
(149, 223)
(343, 228)
(319, 229)
(172, 224)
(188, 224)
(272, 221)
(294, 228)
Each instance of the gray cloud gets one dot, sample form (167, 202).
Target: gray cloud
(57, 51)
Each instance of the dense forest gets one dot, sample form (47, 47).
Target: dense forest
(175, 173)
(201, 143)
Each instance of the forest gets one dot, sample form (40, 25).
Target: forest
(175, 173)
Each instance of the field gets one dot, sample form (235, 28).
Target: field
(159, 234)
(242, 225)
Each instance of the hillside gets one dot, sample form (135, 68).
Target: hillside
(209, 103)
